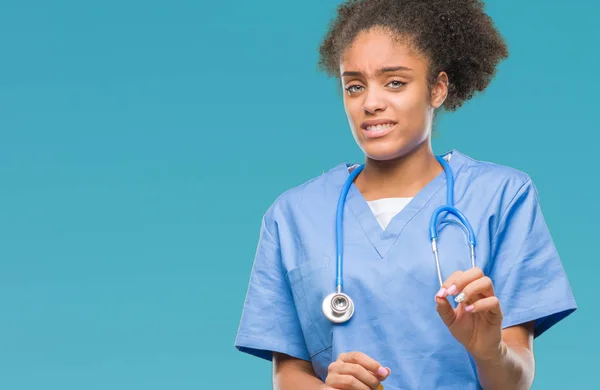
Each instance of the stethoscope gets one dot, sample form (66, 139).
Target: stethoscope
(337, 306)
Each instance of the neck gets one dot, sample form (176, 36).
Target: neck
(403, 177)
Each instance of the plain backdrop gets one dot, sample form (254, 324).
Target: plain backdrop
(142, 141)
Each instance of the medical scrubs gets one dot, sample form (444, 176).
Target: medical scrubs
(391, 273)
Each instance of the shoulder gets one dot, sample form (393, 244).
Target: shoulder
(477, 173)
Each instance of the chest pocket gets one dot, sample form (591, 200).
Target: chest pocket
(311, 282)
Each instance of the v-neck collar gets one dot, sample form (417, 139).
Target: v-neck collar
(382, 240)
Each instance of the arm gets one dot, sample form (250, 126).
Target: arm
(351, 371)
(503, 357)
(514, 366)
(531, 283)
(290, 373)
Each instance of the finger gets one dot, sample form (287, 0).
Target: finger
(382, 373)
(460, 279)
(449, 284)
(346, 382)
(359, 372)
(446, 312)
(362, 359)
(482, 287)
(490, 305)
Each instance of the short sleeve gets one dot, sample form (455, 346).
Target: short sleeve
(269, 321)
(528, 275)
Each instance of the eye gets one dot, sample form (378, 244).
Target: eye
(352, 88)
(397, 84)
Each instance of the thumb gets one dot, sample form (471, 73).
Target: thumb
(446, 312)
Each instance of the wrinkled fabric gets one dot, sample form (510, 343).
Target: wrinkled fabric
(392, 277)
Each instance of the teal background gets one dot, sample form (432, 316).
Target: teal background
(141, 142)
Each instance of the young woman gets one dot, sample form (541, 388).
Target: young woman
(413, 308)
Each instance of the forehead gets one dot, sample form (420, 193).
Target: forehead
(376, 48)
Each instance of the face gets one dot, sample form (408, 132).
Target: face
(386, 96)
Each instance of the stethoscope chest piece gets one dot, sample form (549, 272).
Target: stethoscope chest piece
(338, 307)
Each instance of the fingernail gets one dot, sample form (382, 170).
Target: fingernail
(451, 290)
(441, 293)
(470, 308)
(460, 297)
(382, 371)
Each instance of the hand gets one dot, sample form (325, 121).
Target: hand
(355, 371)
(477, 321)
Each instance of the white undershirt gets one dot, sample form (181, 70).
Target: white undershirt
(385, 209)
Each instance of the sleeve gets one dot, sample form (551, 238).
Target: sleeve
(269, 321)
(528, 275)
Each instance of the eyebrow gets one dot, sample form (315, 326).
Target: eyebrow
(379, 72)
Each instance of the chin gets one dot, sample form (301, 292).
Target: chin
(385, 152)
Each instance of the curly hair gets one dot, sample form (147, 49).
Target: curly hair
(456, 36)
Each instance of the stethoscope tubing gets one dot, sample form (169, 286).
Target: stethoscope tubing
(433, 234)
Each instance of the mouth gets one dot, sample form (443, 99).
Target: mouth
(377, 131)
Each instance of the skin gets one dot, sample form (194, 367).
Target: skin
(400, 164)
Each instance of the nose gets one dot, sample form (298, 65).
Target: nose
(374, 101)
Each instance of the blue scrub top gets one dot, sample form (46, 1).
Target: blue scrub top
(391, 274)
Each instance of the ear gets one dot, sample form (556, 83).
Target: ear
(439, 91)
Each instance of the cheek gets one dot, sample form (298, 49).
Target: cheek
(411, 110)
(409, 102)
(353, 108)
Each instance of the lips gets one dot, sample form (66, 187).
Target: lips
(378, 127)
(376, 122)
(378, 131)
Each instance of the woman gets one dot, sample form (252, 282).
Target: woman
(399, 62)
